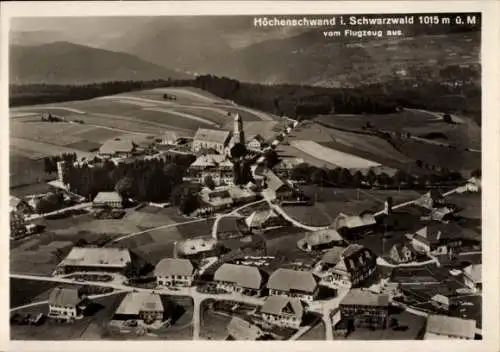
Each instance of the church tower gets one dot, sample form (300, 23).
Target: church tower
(238, 133)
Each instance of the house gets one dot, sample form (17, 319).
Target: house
(473, 277)
(144, 306)
(440, 238)
(66, 304)
(217, 199)
(197, 246)
(442, 327)
(117, 148)
(441, 302)
(174, 137)
(354, 224)
(240, 329)
(231, 227)
(431, 199)
(349, 266)
(256, 142)
(210, 139)
(262, 219)
(403, 253)
(321, 239)
(215, 166)
(282, 311)
(246, 280)
(174, 272)
(278, 188)
(108, 200)
(286, 165)
(294, 284)
(95, 259)
(365, 309)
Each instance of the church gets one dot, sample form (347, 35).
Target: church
(220, 141)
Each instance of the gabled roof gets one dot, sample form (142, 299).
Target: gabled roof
(174, 266)
(441, 299)
(451, 326)
(135, 302)
(333, 256)
(273, 182)
(196, 245)
(241, 275)
(90, 256)
(320, 237)
(289, 163)
(365, 298)
(257, 218)
(230, 224)
(474, 272)
(287, 280)
(354, 221)
(278, 305)
(66, 297)
(241, 329)
(211, 160)
(399, 247)
(210, 135)
(105, 197)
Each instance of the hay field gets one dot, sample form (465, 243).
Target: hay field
(332, 156)
(38, 150)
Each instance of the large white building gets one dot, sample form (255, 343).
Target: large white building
(174, 272)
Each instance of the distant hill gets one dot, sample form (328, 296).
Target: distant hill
(68, 63)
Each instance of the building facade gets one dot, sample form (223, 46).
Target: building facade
(442, 327)
(174, 272)
(108, 200)
(302, 285)
(217, 140)
(242, 279)
(365, 309)
(282, 311)
(66, 304)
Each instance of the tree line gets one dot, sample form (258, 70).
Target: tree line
(342, 177)
(448, 93)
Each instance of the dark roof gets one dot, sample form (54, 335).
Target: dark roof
(230, 224)
(365, 298)
(287, 280)
(66, 297)
(435, 194)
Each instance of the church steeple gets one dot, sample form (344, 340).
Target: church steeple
(238, 134)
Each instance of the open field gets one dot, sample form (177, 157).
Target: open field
(24, 170)
(39, 150)
(313, 215)
(25, 291)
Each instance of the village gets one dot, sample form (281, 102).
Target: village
(396, 270)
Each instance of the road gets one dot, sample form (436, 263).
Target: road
(232, 213)
(60, 211)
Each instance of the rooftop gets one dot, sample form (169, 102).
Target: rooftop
(196, 245)
(233, 224)
(89, 256)
(66, 297)
(210, 135)
(451, 326)
(257, 218)
(136, 302)
(474, 272)
(174, 266)
(273, 182)
(279, 305)
(320, 237)
(107, 197)
(211, 160)
(287, 280)
(241, 275)
(353, 221)
(365, 298)
(333, 256)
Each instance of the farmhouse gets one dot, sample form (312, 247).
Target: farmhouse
(117, 148)
(318, 240)
(278, 188)
(354, 224)
(256, 142)
(66, 304)
(283, 311)
(441, 302)
(95, 259)
(197, 246)
(232, 227)
(350, 266)
(108, 200)
(224, 197)
(215, 166)
(246, 280)
(143, 306)
(440, 238)
(365, 309)
(259, 220)
(294, 284)
(19, 205)
(403, 253)
(240, 329)
(431, 199)
(473, 277)
(210, 139)
(441, 327)
(286, 165)
(173, 137)
(174, 272)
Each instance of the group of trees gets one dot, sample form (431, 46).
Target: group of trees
(345, 178)
(50, 162)
(144, 180)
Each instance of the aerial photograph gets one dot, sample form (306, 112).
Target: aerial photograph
(245, 178)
